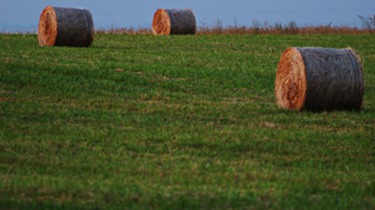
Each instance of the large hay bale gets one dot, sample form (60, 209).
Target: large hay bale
(65, 27)
(319, 79)
(173, 21)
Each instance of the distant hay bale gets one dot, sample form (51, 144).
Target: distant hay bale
(65, 27)
(319, 79)
(173, 21)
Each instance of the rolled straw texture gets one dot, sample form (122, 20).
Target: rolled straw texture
(319, 79)
(173, 21)
(65, 27)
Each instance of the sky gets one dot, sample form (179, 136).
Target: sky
(23, 15)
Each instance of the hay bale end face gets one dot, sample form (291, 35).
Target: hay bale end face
(319, 79)
(173, 21)
(65, 27)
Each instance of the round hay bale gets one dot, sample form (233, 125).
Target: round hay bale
(319, 79)
(173, 21)
(65, 27)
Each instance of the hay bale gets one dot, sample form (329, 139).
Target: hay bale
(65, 27)
(173, 21)
(319, 79)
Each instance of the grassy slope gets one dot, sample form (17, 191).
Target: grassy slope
(176, 122)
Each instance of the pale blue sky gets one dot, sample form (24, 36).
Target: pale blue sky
(23, 15)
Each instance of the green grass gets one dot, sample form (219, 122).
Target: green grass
(178, 122)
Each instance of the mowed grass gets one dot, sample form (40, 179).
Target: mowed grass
(178, 122)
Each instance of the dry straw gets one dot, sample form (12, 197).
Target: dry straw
(173, 21)
(65, 27)
(319, 79)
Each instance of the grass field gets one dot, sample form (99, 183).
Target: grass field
(177, 122)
